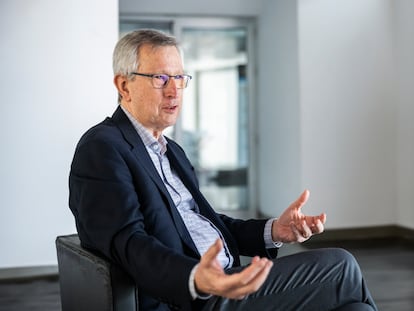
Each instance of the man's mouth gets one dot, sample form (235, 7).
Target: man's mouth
(171, 108)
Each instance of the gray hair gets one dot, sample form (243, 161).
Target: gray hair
(125, 58)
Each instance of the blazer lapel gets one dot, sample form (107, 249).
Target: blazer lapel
(186, 175)
(141, 153)
(138, 147)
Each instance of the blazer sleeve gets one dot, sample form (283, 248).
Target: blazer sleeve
(108, 211)
(247, 234)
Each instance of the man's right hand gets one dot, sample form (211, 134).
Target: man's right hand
(210, 277)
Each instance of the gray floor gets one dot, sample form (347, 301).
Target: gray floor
(388, 266)
(39, 294)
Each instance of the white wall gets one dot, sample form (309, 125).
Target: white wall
(56, 81)
(404, 33)
(191, 7)
(278, 107)
(354, 104)
(348, 109)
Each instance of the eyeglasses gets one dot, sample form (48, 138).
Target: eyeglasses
(160, 81)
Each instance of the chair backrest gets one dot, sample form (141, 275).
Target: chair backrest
(89, 282)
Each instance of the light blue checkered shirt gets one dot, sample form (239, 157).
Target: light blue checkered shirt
(202, 231)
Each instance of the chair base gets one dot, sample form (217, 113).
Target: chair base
(90, 282)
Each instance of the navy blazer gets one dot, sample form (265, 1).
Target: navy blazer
(123, 210)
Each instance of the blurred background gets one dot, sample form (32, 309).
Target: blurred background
(286, 95)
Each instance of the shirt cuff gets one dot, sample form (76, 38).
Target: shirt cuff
(267, 234)
(191, 286)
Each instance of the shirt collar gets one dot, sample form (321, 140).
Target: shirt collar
(158, 146)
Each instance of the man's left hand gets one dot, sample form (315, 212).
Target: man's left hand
(294, 226)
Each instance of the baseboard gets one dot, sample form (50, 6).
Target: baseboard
(364, 237)
(364, 233)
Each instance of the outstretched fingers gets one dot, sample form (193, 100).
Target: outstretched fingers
(249, 280)
(304, 228)
(210, 278)
(317, 223)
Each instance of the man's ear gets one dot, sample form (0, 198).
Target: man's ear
(121, 84)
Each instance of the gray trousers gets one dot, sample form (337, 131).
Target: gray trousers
(317, 280)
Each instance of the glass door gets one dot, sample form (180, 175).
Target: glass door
(214, 117)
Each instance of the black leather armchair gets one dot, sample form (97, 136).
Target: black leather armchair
(89, 282)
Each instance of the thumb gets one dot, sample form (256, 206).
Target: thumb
(211, 254)
(303, 198)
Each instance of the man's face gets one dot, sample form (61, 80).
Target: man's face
(155, 109)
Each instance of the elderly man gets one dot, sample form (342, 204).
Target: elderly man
(136, 200)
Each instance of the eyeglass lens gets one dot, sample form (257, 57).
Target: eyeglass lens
(160, 81)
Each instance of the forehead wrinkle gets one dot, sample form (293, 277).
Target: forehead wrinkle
(165, 65)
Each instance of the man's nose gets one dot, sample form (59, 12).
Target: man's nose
(171, 89)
